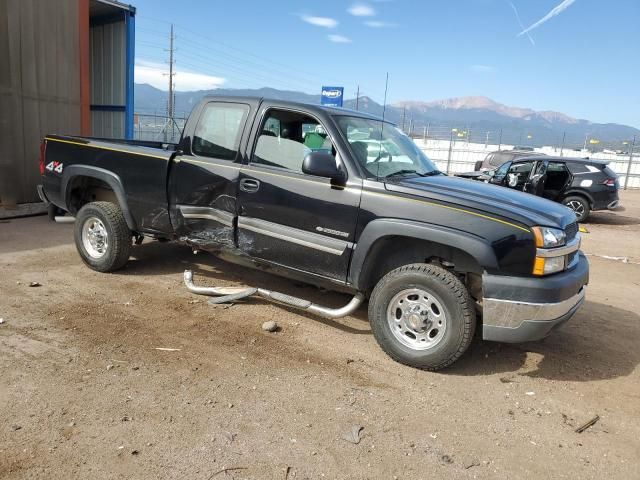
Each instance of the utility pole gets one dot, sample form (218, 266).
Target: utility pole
(486, 140)
(410, 126)
(564, 135)
(500, 141)
(357, 97)
(171, 100)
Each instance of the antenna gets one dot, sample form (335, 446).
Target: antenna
(384, 109)
(357, 97)
(384, 105)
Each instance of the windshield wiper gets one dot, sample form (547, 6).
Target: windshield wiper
(415, 172)
(405, 172)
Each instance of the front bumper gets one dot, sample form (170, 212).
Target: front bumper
(523, 309)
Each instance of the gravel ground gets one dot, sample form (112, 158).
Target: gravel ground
(88, 388)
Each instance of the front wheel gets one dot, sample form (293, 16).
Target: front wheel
(580, 207)
(422, 315)
(102, 236)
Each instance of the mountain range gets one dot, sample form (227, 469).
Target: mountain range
(474, 114)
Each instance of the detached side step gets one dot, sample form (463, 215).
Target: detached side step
(287, 299)
(232, 294)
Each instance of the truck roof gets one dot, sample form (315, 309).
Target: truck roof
(309, 106)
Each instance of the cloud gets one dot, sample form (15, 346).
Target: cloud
(482, 68)
(515, 10)
(557, 10)
(339, 39)
(154, 74)
(379, 24)
(325, 22)
(361, 10)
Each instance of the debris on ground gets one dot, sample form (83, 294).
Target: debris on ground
(1, 321)
(164, 349)
(15, 428)
(270, 326)
(110, 367)
(589, 424)
(446, 459)
(353, 435)
(225, 470)
(35, 284)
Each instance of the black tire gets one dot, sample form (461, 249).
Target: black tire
(579, 205)
(454, 299)
(118, 247)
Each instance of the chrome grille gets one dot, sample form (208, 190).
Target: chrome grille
(571, 231)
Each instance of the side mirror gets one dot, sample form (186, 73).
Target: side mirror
(322, 164)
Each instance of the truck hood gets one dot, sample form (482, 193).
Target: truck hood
(522, 207)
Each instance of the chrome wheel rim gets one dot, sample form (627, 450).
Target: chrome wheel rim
(417, 319)
(576, 206)
(94, 237)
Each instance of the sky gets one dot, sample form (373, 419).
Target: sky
(578, 57)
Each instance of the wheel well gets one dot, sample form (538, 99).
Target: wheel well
(389, 253)
(82, 190)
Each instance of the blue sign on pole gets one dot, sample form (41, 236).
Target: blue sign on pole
(332, 96)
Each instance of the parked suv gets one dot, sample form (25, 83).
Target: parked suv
(583, 185)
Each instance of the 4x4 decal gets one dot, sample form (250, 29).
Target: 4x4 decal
(55, 167)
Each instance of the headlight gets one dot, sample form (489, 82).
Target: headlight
(548, 265)
(547, 237)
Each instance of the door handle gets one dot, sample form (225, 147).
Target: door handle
(249, 185)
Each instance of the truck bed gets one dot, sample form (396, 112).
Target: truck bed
(137, 168)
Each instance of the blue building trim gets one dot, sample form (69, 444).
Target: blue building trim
(130, 25)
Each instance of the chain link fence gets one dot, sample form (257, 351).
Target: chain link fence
(158, 127)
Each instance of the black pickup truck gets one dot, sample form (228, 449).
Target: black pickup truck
(334, 198)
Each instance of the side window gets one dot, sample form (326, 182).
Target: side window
(503, 169)
(219, 129)
(287, 137)
(519, 173)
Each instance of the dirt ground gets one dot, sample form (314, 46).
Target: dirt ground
(85, 392)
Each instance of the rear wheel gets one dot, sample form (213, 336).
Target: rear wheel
(102, 236)
(579, 205)
(422, 316)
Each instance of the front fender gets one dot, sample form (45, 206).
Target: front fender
(110, 178)
(475, 246)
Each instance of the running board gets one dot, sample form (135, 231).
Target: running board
(229, 294)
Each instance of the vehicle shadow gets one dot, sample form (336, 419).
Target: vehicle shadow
(155, 258)
(609, 218)
(600, 342)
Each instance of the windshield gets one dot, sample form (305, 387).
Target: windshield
(384, 150)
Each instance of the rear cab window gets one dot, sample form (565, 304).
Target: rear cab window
(220, 126)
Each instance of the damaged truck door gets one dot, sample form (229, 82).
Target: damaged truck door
(204, 181)
(289, 217)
